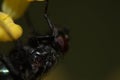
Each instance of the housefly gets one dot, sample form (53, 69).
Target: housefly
(37, 56)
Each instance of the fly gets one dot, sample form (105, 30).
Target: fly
(37, 56)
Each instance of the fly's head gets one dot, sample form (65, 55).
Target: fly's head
(62, 39)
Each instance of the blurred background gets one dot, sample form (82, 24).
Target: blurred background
(94, 25)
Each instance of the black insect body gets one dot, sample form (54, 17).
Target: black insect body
(37, 57)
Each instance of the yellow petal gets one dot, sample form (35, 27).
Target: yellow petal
(16, 8)
(9, 31)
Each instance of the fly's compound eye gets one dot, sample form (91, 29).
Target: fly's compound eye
(62, 39)
(63, 43)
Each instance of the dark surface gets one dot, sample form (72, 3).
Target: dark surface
(94, 29)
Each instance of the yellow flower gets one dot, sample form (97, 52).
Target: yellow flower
(9, 31)
(16, 8)
(12, 9)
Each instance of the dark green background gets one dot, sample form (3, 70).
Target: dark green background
(95, 43)
(94, 36)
